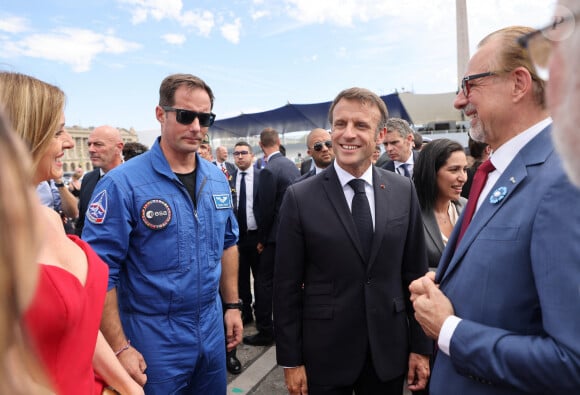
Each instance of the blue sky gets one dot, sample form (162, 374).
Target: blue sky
(109, 56)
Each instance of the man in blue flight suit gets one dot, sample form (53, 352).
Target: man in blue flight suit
(164, 224)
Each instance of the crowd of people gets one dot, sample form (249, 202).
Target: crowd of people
(371, 273)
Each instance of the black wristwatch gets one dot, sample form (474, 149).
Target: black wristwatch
(239, 305)
(59, 184)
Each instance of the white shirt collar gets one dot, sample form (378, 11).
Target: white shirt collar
(344, 177)
(502, 157)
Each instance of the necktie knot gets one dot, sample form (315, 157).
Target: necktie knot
(357, 185)
(486, 167)
(405, 168)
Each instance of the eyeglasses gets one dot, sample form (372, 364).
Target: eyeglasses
(466, 85)
(539, 42)
(318, 146)
(240, 153)
(186, 117)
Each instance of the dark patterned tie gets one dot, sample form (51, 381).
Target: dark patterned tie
(361, 214)
(242, 220)
(405, 167)
(477, 185)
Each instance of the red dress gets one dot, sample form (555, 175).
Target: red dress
(63, 322)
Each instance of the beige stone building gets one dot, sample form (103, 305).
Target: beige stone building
(79, 155)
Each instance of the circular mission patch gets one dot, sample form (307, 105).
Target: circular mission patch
(156, 214)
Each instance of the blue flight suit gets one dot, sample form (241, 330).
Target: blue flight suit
(164, 259)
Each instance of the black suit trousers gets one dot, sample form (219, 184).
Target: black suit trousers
(367, 383)
(263, 289)
(248, 266)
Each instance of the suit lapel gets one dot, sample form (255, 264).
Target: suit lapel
(335, 195)
(381, 191)
(432, 228)
(535, 152)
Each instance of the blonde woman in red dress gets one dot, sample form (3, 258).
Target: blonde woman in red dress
(64, 316)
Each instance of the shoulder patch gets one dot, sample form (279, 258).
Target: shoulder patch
(156, 214)
(222, 201)
(97, 210)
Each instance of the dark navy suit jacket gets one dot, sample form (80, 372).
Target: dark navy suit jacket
(278, 174)
(88, 184)
(330, 305)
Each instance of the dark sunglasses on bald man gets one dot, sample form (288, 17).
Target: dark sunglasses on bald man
(186, 117)
(318, 146)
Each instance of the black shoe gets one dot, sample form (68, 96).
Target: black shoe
(259, 339)
(233, 364)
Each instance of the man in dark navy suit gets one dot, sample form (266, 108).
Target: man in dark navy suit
(399, 143)
(278, 174)
(350, 242)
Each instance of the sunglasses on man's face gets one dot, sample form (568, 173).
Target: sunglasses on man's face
(318, 146)
(186, 117)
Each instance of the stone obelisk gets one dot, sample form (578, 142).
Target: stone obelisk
(462, 39)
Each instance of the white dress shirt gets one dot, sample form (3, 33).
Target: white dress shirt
(249, 179)
(344, 177)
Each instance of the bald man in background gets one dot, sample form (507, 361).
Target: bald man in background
(105, 153)
(319, 147)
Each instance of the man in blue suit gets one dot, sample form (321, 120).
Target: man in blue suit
(506, 311)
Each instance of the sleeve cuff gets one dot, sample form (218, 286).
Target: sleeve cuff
(447, 330)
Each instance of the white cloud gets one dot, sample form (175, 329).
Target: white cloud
(343, 14)
(75, 47)
(259, 14)
(200, 21)
(14, 24)
(203, 22)
(157, 9)
(175, 39)
(231, 31)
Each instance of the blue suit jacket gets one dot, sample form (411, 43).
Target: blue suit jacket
(514, 281)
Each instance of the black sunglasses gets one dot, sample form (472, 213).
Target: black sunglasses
(186, 117)
(318, 146)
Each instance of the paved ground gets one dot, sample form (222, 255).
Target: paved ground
(260, 375)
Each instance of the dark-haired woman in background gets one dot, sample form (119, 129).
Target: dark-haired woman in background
(439, 175)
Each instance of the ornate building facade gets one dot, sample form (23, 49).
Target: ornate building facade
(79, 155)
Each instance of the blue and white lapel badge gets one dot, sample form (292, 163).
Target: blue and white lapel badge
(222, 201)
(498, 195)
(97, 210)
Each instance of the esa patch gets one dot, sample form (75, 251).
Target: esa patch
(156, 214)
(97, 210)
(222, 201)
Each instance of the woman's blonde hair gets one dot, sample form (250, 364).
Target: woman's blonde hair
(34, 109)
(18, 249)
